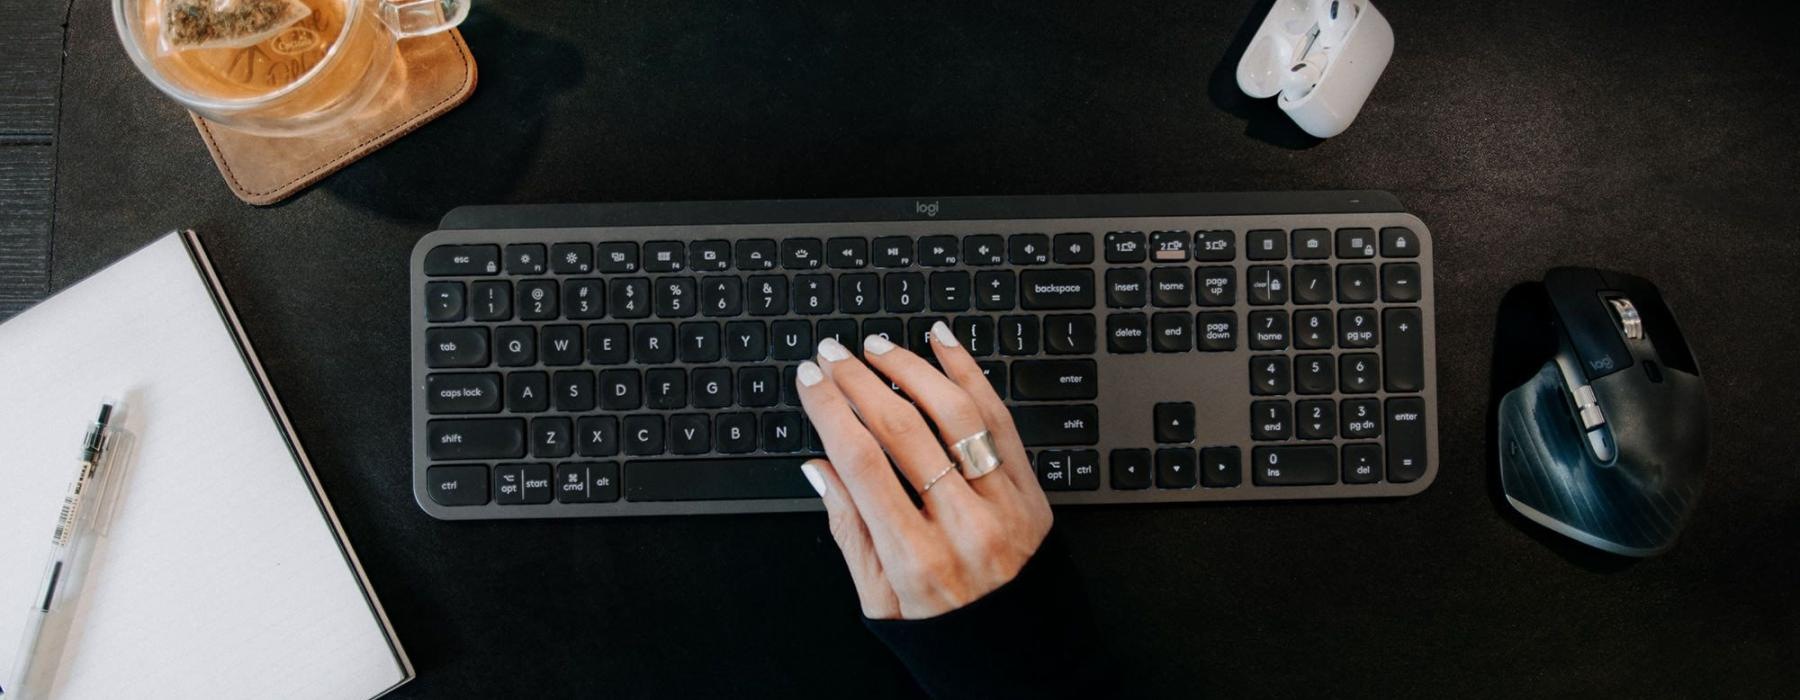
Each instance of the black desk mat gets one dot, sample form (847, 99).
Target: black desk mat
(1656, 137)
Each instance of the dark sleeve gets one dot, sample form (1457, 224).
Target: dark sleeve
(1033, 637)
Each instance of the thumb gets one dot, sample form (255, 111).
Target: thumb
(852, 536)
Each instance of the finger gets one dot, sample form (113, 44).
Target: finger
(961, 368)
(858, 461)
(853, 540)
(948, 404)
(895, 424)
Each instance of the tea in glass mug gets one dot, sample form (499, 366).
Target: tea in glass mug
(275, 67)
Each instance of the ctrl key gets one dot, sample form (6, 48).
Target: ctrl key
(464, 485)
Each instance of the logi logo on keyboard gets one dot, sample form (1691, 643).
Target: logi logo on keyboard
(926, 208)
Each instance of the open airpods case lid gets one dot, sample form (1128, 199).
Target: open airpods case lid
(1352, 64)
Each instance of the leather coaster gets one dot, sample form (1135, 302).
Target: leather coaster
(433, 75)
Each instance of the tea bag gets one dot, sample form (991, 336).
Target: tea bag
(218, 24)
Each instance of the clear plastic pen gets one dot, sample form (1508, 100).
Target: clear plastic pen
(72, 544)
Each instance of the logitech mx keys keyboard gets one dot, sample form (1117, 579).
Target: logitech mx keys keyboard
(639, 359)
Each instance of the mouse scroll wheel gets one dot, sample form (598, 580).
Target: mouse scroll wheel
(1627, 316)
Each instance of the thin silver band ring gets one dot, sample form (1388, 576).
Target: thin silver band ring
(933, 480)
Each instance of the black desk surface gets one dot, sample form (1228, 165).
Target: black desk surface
(1657, 137)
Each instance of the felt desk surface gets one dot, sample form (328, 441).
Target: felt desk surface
(1653, 137)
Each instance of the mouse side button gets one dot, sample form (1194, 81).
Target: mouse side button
(1580, 298)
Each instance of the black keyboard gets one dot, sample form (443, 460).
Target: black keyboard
(638, 359)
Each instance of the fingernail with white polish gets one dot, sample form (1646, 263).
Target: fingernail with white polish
(812, 476)
(877, 345)
(942, 334)
(809, 373)
(833, 351)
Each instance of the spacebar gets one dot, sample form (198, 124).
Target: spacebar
(716, 479)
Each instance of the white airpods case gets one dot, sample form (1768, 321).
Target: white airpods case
(1322, 57)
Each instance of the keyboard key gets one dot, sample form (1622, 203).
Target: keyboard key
(1174, 422)
(491, 300)
(1294, 466)
(653, 343)
(1312, 284)
(1127, 334)
(616, 256)
(1400, 282)
(1399, 242)
(597, 436)
(746, 341)
(1215, 246)
(444, 302)
(1316, 420)
(1356, 284)
(782, 432)
(1271, 420)
(1043, 290)
(475, 438)
(757, 254)
(1070, 334)
(1360, 419)
(791, 340)
(1127, 288)
(1221, 467)
(814, 294)
(552, 437)
(1125, 247)
(1404, 349)
(537, 300)
(1028, 249)
(767, 295)
(1268, 284)
(522, 484)
(1018, 335)
(892, 330)
(528, 392)
(918, 336)
(950, 291)
(608, 344)
(456, 347)
(722, 297)
(621, 390)
(1268, 330)
(584, 300)
(801, 252)
(712, 387)
(462, 260)
(893, 251)
(690, 433)
(736, 433)
(1356, 328)
(573, 390)
(1217, 285)
(842, 330)
(903, 292)
(758, 387)
(716, 479)
(976, 333)
(515, 346)
(561, 345)
(1405, 439)
(1362, 463)
(628, 297)
(1313, 329)
(665, 388)
(462, 393)
(1218, 331)
(1172, 332)
(1265, 245)
(664, 256)
(1314, 374)
(1169, 246)
(1055, 380)
(938, 251)
(587, 482)
(1176, 468)
(461, 485)
(525, 259)
(984, 251)
(572, 258)
(1073, 248)
(644, 435)
(995, 290)
(1269, 375)
(1130, 469)
(1047, 425)
(1055, 470)
(1169, 287)
(995, 372)
(709, 256)
(1312, 243)
(676, 297)
(1358, 373)
(1356, 243)
(859, 294)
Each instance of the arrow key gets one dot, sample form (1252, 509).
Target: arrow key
(1175, 422)
(1130, 469)
(1175, 468)
(1220, 467)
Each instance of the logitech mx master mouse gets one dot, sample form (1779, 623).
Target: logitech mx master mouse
(1607, 442)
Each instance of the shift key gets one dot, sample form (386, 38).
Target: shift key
(477, 438)
(1057, 425)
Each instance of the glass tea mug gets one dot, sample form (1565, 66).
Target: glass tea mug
(303, 79)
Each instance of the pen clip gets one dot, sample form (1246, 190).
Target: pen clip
(116, 447)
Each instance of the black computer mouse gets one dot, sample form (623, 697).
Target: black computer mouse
(1607, 442)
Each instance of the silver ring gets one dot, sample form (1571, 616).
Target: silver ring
(977, 455)
(933, 480)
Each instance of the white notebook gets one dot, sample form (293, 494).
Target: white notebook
(224, 572)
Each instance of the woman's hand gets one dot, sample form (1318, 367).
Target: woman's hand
(972, 535)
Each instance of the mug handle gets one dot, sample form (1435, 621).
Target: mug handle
(410, 18)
